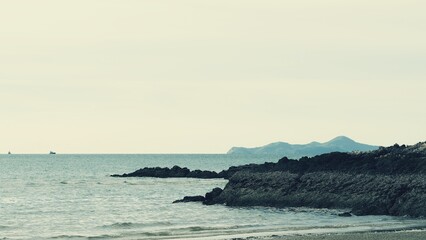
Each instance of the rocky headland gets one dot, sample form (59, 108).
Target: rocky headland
(387, 181)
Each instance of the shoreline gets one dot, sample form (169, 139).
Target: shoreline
(376, 235)
(366, 233)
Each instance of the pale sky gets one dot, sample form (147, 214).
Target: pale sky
(195, 76)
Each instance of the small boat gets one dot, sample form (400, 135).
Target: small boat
(52, 152)
(9, 152)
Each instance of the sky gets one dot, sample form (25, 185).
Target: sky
(195, 76)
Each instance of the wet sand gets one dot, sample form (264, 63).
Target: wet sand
(410, 235)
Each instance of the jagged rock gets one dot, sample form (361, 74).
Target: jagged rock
(388, 181)
(202, 174)
(365, 194)
(175, 172)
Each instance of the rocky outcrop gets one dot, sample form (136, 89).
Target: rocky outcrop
(174, 172)
(365, 194)
(178, 172)
(388, 181)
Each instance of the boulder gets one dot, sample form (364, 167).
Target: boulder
(212, 195)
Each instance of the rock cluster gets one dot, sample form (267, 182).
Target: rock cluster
(174, 172)
(391, 161)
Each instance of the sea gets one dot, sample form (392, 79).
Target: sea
(73, 197)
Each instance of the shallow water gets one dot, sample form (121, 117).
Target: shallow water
(73, 197)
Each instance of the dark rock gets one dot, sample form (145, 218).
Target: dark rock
(391, 160)
(202, 174)
(365, 194)
(212, 195)
(191, 199)
(345, 214)
(174, 172)
(389, 181)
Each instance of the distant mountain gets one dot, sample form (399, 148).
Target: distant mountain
(338, 144)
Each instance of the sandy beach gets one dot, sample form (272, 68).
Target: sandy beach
(410, 235)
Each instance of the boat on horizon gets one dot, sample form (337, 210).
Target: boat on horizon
(51, 153)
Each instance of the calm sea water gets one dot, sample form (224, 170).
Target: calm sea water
(73, 197)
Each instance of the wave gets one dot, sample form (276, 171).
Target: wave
(122, 225)
(215, 228)
(178, 229)
(103, 236)
(69, 237)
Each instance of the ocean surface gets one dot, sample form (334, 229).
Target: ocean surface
(73, 197)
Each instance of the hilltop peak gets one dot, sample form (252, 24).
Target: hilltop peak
(341, 139)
